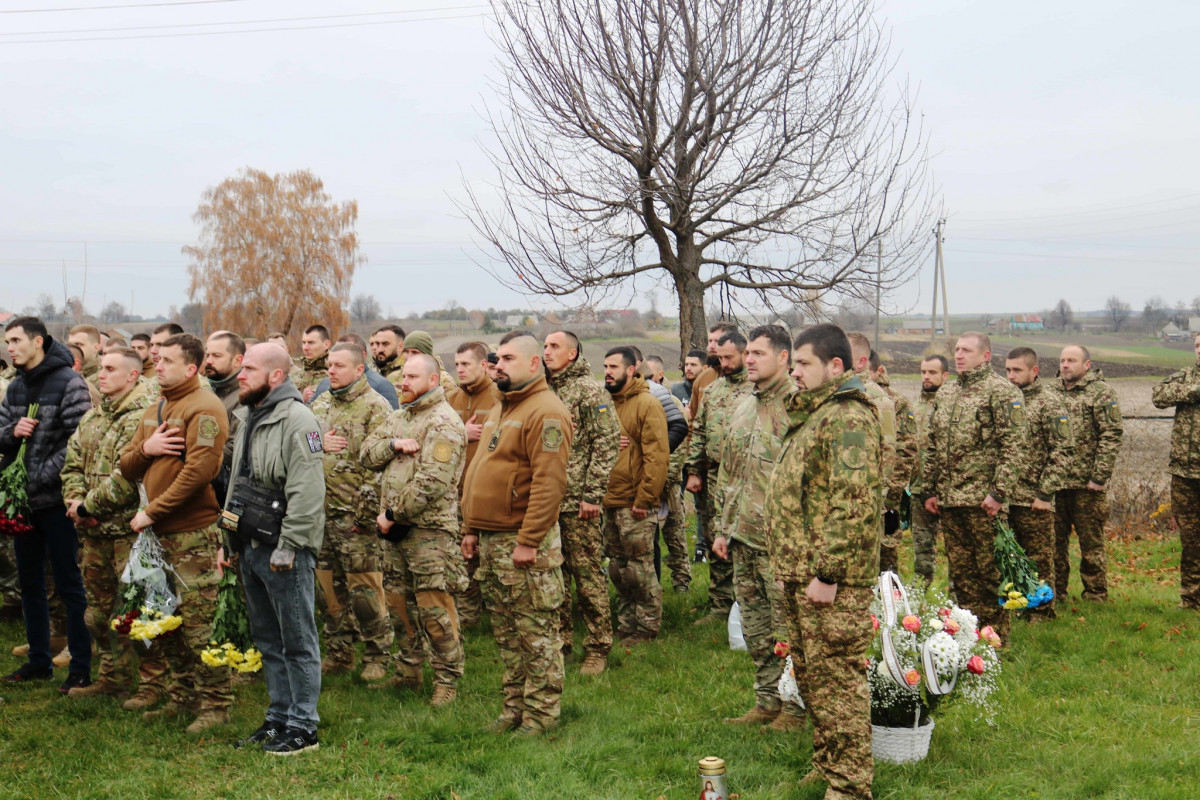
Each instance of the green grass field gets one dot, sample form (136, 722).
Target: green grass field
(1104, 702)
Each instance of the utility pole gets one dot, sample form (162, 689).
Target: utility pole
(939, 272)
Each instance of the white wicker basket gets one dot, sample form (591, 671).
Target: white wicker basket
(900, 745)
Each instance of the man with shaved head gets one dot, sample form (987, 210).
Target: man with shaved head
(972, 464)
(275, 519)
(421, 449)
(1082, 504)
(515, 487)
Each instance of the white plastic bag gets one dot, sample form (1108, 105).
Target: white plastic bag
(736, 640)
(788, 690)
(147, 567)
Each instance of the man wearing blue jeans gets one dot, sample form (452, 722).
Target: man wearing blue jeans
(275, 515)
(45, 379)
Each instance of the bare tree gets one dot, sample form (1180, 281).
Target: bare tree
(1196, 305)
(113, 312)
(719, 145)
(1155, 313)
(364, 309)
(1118, 312)
(47, 310)
(1061, 316)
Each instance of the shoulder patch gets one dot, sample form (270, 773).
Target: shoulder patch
(1114, 412)
(1062, 426)
(552, 435)
(1017, 414)
(852, 449)
(314, 441)
(442, 451)
(207, 431)
(602, 408)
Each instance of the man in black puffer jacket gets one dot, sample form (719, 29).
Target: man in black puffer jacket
(44, 376)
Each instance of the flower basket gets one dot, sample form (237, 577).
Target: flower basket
(901, 745)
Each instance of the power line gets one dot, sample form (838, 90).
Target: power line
(241, 22)
(124, 5)
(249, 30)
(1073, 257)
(1101, 210)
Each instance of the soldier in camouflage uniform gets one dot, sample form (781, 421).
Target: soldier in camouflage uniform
(1182, 390)
(823, 521)
(1045, 459)
(925, 526)
(674, 525)
(386, 344)
(101, 502)
(593, 453)
(422, 449)
(895, 478)
(349, 570)
(971, 470)
(752, 444)
(313, 366)
(420, 342)
(704, 453)
(1082, 503)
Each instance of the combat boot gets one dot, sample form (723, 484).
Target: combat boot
(208, 719)
(333, 666)
(171, 709)
(594, 664)
(504, 723)
(97, 689)
(755, 716)
(374, 671)
(784, 722)
(443, 696)
(532, 729)
(142, 700)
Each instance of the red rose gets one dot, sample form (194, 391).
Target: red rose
(976, 665)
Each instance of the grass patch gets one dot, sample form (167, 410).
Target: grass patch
(1104, 702)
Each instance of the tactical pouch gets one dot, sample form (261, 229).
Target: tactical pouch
(255, 513)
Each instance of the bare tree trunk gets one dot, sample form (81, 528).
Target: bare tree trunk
(693, 328)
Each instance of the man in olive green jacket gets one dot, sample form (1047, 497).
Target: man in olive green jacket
(278, 449)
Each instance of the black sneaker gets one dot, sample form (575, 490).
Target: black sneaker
(75, 680)
(291, 742)
(265, 733)
(28, 672)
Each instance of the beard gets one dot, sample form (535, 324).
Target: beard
(382, 361)
(252, 397)
(731, 370)
(503, 382)
(616, 386)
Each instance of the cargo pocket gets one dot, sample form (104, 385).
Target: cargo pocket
(545, 588)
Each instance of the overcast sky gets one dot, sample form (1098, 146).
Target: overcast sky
(1064, 138)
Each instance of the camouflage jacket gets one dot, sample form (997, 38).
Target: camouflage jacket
(1095, 427)
(309, 372)
(91, 472)
(597, 439)
(974, 440)
(924, 415)
(1046, 447)
(421, 490)
(678, 455)
(1182, 390)
(709, 423)
(906, 456)
(748, 455)
(353, 412)
(823, 515)
(393, 370)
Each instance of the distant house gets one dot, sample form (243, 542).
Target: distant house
(5, 316)
(1026, 322)
(918, 327)
(1172, 332)
(515, 321)
(1194, 324)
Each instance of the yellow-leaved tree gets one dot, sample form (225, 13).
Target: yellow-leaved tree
(275, 254)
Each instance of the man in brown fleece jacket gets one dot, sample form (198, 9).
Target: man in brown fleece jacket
(515, 485)
(176, 453)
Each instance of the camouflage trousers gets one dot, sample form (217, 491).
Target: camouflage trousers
(629, 545)
(192, 554)
(829, 647)
(764, 622)
(103, 559)
(1035, 533)
(925, 527)
(583, 562)
(674, 533)
(1185, 504)
(350, 593)
(469, 601)
(720, 571)
(422, 569)
(970, 534)
(1085, 511)
(523, 604)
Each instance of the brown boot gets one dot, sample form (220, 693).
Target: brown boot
(208, 719)
(443, 696)
(171, 709)
(504, 723)
(57, 644)
(333, 666)
(812, 777)
(594, 663)
(755, 716)
(374, 671)
(145, 698)
(97, 689)
(785, 722)
(62, 659)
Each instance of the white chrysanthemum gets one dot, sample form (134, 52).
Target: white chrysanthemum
(945, 652)
(965, 619)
